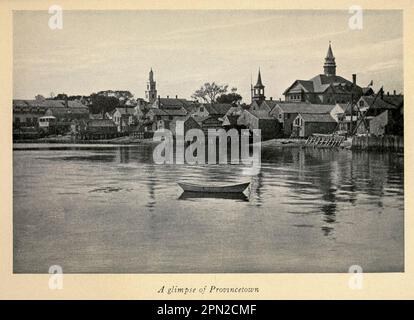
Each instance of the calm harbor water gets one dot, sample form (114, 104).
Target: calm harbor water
(110, 209)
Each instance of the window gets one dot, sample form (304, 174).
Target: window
(201, 109)
(361, 103)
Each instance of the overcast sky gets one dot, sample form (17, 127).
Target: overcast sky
(102, 50)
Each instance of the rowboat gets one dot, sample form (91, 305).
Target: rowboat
(233, 188)
(188, 195)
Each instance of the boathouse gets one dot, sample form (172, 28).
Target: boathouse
(307, 124)
(286, 112)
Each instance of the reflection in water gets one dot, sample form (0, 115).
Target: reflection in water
(111, 209)
(151, 184)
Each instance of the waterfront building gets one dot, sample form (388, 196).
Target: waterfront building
(64, 112)
(286, 112)
(306, 124)
(124, 118)
(94, 129)
(380, 115)
(27, 112)
(377, 105)
(160, 118)
(326, 88)
(260, 119)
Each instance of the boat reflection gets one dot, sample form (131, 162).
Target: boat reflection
(186, 195)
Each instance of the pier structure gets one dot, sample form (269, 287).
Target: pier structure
(324, 140)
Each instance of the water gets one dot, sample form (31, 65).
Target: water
(109, 209)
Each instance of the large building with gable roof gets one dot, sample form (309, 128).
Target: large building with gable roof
(326, 88)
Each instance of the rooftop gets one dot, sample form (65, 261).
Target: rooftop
(317, 117)
(217, 108)
(304, 107)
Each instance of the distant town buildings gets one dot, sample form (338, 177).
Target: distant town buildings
(324, 104)
(26, 113)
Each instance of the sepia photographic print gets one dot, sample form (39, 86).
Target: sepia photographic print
(208, 141)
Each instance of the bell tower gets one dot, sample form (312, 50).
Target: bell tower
(151, 92)
(258, 90)
(329, 67)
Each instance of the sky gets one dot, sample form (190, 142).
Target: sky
(114, 50)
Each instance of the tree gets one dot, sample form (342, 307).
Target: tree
(60, 96)
(232, 97)
(209, 92)
(102, 104)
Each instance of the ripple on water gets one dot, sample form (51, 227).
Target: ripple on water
(114, 208)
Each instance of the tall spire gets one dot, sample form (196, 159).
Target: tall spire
(258, 90)
(329, 66)
(259, 80)
(151, 92)
(330, 55)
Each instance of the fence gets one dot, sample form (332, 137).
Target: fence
(383, 143)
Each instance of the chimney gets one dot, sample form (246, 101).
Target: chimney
(271, 98)
(354, 79)
(66, 101)
(395, 92)
(168, 97)
(176, 96)
(280, 99)
(388, 93)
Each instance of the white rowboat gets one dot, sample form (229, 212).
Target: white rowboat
(233, 188)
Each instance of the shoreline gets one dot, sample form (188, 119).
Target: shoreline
(116, 141)
(131, 141)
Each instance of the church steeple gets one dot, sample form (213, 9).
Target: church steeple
(151, 92)
(329, 66)
(259, 81)
(258, 89)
